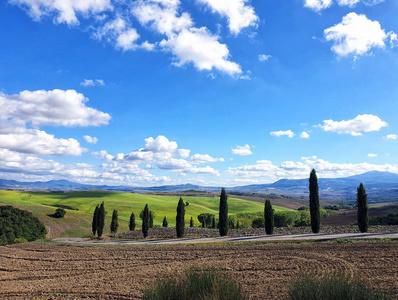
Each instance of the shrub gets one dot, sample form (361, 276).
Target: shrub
(165, 223)
(59, 213)
(258, 223)
(196, 285)
(20, 240)
(286, 219)
(332, 287)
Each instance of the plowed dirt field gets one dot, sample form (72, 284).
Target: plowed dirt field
(48, 271)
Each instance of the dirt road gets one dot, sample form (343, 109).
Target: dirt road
(258, 238)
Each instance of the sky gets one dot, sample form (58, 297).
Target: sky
(208, 92)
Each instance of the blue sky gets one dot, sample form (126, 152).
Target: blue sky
(210, 92)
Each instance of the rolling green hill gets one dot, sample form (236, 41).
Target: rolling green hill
(77, 221)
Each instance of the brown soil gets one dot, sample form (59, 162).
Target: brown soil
(47, 271)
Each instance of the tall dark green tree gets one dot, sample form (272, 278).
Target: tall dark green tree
(101, 219)
(115, 222)
(94, 224)
(363, 211)
(180, 218)
(151, 216)
(165, 223)
(223, 213)
(132, 222)
(314, 202)
(269, 217)
(145, 221)
(191, 222)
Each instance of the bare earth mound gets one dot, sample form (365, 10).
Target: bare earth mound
(47, 271)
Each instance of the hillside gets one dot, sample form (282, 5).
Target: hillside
(77, 221)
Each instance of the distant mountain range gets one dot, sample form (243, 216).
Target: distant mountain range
(380, 186)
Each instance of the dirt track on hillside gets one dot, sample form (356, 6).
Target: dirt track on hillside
(48, 271)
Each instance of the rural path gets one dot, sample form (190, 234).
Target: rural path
(257, 238)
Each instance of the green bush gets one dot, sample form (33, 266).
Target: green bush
(20, 240)
(59, 213)
(196, 285)
(258, 223)
(333, 287)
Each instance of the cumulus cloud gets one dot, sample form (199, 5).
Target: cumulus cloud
(29, 109)
(349, 3)
(103, 155)
(160, 144)
(372, 155)
(357, 35)
(242, 150)
(355, 127)
(266, 171)
(90, 139)
(188, 43)
(39, 142)
(280, 133)
(391, 136)
(304, 135)
(65, 11)
(238, 12)
(201, 48)
(204, 158)
(56, 108)
(264, 57)
(318, 5)
(184, 153)
(92, 82)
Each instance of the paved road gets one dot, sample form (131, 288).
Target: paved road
(257, 238)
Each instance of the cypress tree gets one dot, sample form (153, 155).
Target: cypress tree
(362, 212)
(145, 221)
(165, 223)
(314, 202)
(223, 213)
(180, 218)
(94, 224)
(115, 222)
(101, 219)
(269, 217)
(191, 222)
(132, 222)
(151, 216)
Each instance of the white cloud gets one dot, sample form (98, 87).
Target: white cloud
(160, 144)
(264, 57)
(90, 139)
(266, 171)
(39, 142)
(92, 82)
(184, 153)
(56, 108)
(304, 135)
(65, 10)
(391, 136)
(204, 158)
(162, 16)
(239, 13)
(349, 3)
(361, 123)
(204, 170)
(318, 5)
(126, 40)
(356, 35)
(372, 155)
(201, 48)
(103, 155)
(242, 150)
(280, 133)
(174, 164)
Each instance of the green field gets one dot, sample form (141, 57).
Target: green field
(78, 222)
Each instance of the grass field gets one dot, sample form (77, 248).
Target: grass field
(78, 222)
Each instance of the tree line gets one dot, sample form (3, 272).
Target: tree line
(224, 222)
